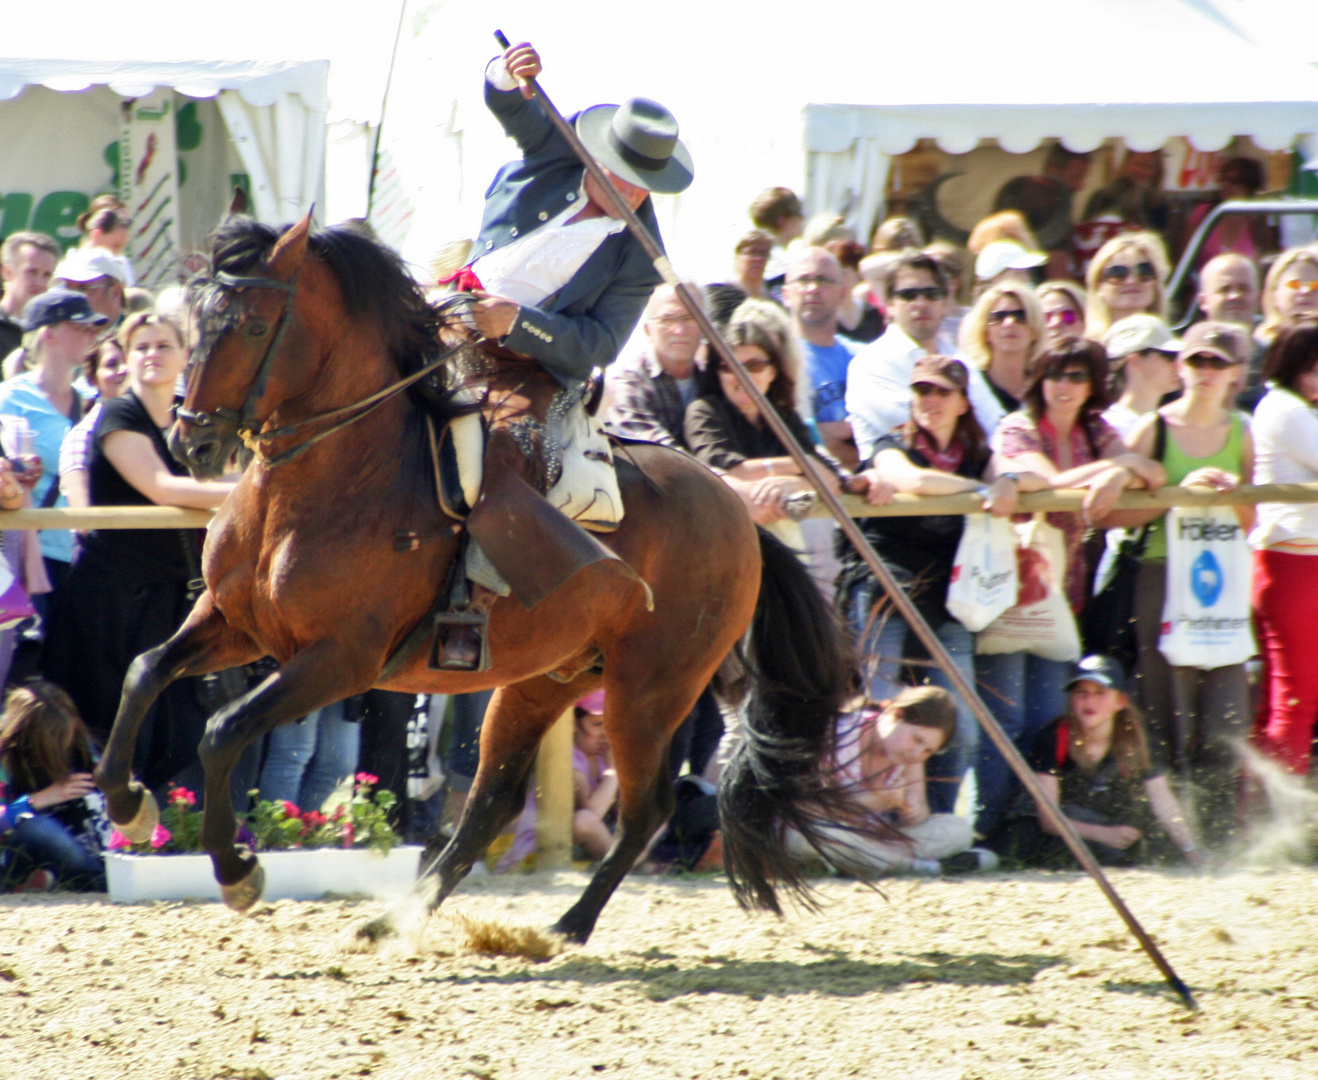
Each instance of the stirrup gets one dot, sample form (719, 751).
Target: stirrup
(453, 628)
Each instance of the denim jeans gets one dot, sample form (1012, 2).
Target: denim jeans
(465, 748)
(881, 650)
(1024, 693)
(305, 762)
(42, 843)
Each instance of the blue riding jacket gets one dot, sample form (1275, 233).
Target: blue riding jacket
(585, 323)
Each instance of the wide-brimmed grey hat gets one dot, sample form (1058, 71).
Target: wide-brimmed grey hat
(637, 142)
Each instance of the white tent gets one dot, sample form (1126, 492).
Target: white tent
(61, 123)
(873, 78)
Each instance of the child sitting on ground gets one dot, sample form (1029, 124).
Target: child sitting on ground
(52, 818)
(594, 782)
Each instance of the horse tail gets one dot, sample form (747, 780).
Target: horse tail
(801, 673)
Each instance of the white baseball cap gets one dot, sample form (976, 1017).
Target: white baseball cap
(1004, 255)
(88, 264)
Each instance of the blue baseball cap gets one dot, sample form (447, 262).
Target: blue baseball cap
(57, 306)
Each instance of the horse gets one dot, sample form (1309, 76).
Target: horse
(301, 563)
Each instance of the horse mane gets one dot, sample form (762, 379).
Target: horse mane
(372, 276)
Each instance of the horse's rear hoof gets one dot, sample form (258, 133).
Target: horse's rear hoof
(377, 930)
(143, 824)
(241, 895)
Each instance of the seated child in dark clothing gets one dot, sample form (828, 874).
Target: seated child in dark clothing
(1094, 762)
(52, 818)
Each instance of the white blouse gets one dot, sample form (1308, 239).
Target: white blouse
(1285, 452)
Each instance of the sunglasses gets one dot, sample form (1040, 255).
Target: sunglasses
(928, 292)
(1065, 316)
(1073, 376)
(753, 366)
(1143, 272)
(1217, 363)
(1016, 315)
(1301, 287)
(927, 389)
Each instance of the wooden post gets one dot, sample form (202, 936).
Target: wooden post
(553, 797)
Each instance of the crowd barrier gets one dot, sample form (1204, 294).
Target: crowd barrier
(554, 763)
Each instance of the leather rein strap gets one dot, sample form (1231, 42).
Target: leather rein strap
(244, 418)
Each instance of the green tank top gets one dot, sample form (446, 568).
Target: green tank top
(1179, 465)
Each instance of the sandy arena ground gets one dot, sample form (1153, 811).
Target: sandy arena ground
(972, 979)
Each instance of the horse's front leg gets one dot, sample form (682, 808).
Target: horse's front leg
(204, 643)
(319, 675)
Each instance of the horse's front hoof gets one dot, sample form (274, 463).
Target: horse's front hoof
(241, 895)
(143, 824)
(377, 930)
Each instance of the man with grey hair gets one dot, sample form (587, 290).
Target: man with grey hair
(27, 259)
(651, 390)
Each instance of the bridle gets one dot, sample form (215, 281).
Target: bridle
(244, 418)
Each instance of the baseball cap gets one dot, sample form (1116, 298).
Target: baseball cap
(1217, 339)
(941, 371)
(1139, 333)
(1100, 669)
(88, 264)
(1004, 255)
(57, 306)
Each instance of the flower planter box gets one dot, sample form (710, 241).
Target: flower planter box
(306, 874)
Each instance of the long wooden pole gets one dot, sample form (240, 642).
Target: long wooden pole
(902, 602)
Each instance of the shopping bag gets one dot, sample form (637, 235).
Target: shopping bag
(984, 579)
(1041, 621)
(1206, 619)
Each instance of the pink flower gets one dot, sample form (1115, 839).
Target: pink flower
(118, 841)
(181, 796)
(290, 810)
(160, 837)
(367, 778)
(347, 834)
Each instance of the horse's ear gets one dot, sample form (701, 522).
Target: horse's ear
(291, 249)
(239, 203)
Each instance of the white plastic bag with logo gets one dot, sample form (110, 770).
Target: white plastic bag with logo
(1041, 621)
(984, 581)
(1206, 618)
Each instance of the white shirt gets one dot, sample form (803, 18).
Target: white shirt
(1123, 418)
(1285, 430)
(879, 387)
(540, 263)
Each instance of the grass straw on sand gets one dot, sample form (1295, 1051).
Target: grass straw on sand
(496, 938)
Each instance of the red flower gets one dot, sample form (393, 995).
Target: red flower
(160, 836)
(118, 841)
(181, 796)
(347, 834)
(290, 810)
(367, 778)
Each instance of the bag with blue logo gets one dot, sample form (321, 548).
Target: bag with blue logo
(1206, 618)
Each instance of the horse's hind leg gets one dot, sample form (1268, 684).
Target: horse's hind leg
(516, 720)
(640, 721)
(204, 643)
(318, 675)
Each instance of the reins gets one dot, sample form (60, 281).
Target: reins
(243, 419)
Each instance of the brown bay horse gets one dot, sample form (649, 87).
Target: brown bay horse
(301, 564)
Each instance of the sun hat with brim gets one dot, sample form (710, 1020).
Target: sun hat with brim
(1099, 669)
(637, 142)
(1225, 340)
(941, 371)
(1137, 334)
(88, 264)
(59, 305)
(1001, 256)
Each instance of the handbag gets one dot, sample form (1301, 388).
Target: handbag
(984, 578)
(1107, 623)
(1041, 621)
(1206, 618)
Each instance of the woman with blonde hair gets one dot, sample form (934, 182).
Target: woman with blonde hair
(1128, 276)
(1289, 291)
(1007, 225)
(1002, 335)
(1063, 304)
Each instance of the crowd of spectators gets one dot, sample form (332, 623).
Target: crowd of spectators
(906, 366)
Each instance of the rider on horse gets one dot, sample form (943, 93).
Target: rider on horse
(559, 284)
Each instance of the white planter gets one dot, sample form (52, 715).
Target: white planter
(289, 875)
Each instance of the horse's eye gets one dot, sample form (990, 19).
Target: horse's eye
(256, 328)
